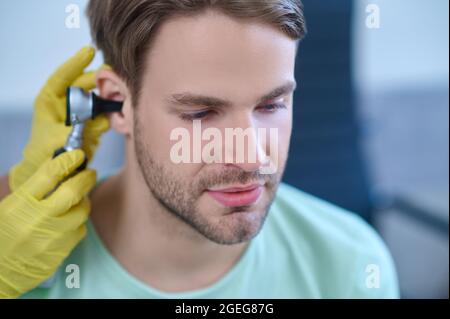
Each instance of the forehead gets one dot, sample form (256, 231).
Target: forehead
(216, 54)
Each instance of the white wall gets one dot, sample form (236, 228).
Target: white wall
(34, 41)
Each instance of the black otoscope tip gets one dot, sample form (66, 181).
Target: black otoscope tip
(100, 105)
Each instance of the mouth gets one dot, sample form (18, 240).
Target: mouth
(239, 195)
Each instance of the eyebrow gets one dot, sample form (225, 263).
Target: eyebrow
(190, 99)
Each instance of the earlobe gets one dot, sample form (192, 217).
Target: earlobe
(112, 87)
(118, 122)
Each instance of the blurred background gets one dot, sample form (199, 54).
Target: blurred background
(371, 126)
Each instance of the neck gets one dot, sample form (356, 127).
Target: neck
(152, 243)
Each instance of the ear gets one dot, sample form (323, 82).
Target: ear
(112, 87)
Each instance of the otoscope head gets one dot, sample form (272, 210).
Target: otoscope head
(79, 105)
(82, 105)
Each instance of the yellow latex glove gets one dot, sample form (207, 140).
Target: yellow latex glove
(49, 132)
(38, 232)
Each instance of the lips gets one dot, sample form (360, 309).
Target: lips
(237, 196)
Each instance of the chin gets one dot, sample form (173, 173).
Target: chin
(240, 226)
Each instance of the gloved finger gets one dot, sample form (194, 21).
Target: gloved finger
(73, 218)
(71, 192)
(76, 236)
(70, 70)
(52, 172)
(49, 107)
(70, 239)
(86, 81)
(61, 245)
(96, 127)
(105, 66)
(93, 130)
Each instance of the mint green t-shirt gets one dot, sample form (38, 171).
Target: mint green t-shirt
(307, 248)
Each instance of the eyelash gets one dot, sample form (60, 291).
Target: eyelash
(202, 114)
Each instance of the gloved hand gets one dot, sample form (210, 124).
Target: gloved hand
(38, 232)
(49, 131)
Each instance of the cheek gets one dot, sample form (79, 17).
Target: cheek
(285, 137)
(157, 130)
(286, 130)
(156, 127)
(282, 122)
(283, 141)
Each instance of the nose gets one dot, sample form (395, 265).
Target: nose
(245, 145)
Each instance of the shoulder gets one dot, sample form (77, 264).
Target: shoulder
(339, 243)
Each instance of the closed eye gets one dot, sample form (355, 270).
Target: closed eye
(267, 108)
(271, 107)
(195, 115)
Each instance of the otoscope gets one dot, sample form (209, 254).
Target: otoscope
(80, 107)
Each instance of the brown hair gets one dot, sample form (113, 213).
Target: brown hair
(122, 29)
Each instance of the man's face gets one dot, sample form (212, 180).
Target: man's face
(239, 62)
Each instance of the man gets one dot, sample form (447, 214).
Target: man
(200, 229)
